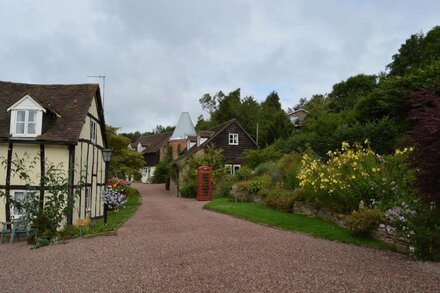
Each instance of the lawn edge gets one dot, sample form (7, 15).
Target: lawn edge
(390, 248)
(114, 231)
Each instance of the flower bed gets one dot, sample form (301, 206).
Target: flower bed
(115, 193)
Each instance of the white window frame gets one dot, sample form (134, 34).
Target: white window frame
(12, 208)
(232, 169)
(235, 168)
(26, 104)
(38, 123)
(88, 199)
(233, 139)
(93, 130)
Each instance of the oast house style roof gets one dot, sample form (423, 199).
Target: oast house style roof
(153, 143)
(67, 107)
(184, 128)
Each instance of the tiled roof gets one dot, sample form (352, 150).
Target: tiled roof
(70, 102)
(205, 133)
(296, 111)
(153, 143)
(213, 133)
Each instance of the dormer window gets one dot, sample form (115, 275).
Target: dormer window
(26, 122)
(26, 117)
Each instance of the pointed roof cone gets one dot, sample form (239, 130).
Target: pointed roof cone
(184, 127)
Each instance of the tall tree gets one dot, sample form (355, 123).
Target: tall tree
(228, 107)
(417, 51)
(273, 121)
(302, 102)
(272, 102)
(211, 103)
(410, 55)
(431, 45)
(346, 93)
(133, 136)
(124, 162)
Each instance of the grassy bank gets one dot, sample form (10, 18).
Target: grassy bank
(313, 226)
(114, 218)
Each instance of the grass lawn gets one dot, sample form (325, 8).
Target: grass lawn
(114, 218)
(313, 226)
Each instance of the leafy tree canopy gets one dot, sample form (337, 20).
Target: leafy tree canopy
(269, 116)
(417, 51)
(124, 162)
(346, 93)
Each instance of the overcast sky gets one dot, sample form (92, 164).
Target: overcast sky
(159, 57)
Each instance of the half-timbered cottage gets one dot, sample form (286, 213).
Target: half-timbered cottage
(60, 124)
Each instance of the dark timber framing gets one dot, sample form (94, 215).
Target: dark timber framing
(86, 182)
(81, 177)
(71, 183)
(91, 178)
(42, 172)
(93, 172)
(8, 182)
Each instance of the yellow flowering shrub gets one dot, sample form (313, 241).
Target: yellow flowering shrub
(355, 173)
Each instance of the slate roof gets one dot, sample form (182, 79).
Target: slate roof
(70, 102)
(153, 143)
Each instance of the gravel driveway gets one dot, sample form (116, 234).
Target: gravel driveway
(172, 244)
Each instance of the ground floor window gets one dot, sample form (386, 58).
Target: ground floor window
(88, 199)
(232, 168)
(18, 195)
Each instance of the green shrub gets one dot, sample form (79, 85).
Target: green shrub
(253, 158)
(280, 200)
(266, 182)
(245, 173)
(223, 187)
(356, 173)
(189, 189)
(161, 172)
(212, 157)
(241, 191)
(255, 185)
(69, 231)
(365, 221)
(137, 176)
(424, 233)
(265, 168)
(291, 166)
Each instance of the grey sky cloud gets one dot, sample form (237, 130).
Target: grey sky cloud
(160, 57)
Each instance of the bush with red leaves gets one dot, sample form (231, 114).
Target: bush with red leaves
(425, 135)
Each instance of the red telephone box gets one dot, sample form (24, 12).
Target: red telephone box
(204, 190)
